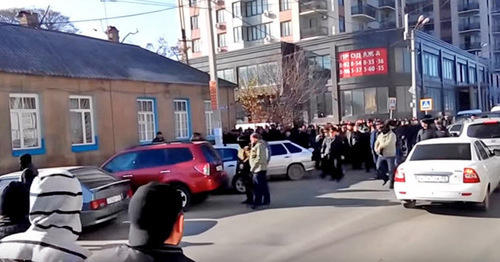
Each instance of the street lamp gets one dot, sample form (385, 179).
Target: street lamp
(479, 91)
(413, 90)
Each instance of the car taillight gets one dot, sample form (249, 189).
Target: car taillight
(471, 176)
(130, 193)
(490, 122)
(98, 203)
(203, 168)
(399, 176)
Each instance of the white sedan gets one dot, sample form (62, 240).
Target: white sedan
(287, 158)
(448, 170)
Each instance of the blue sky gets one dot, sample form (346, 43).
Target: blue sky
(151, 26)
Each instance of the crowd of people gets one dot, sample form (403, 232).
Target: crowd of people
(371, 144)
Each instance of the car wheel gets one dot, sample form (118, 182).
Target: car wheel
(296, 172)
(239, 185)
(409, 203)
(485, 205)
(185, 196)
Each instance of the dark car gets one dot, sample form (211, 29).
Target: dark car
(104, 196)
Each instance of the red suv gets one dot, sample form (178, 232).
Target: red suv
(193, 168)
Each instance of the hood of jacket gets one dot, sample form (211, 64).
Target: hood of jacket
(55, 205)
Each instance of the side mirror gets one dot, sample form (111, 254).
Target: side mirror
(496, 152)
(454, 135)
(311, 150)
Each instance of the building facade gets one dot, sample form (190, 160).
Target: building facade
(472, 25)
(66, 108)
(369, 68)
(242, 24)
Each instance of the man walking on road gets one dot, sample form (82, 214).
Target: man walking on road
(258, 166)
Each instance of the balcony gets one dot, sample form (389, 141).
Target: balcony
(364, 12)
(387, 4)
(468, 7)
(314, 32)
(307, 7)
(388, 25)
(471, 46)
(467, 27)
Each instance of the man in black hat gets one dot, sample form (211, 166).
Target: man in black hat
(427, 131)
(156, 227)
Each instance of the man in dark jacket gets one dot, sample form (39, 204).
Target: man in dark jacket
(427, 131)
(441, 130)
(14, 207)
(156, 228)
(29, 170)
(159, 138)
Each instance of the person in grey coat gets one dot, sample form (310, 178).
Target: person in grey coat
(427, 131)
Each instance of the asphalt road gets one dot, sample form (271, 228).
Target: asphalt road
(321, 220)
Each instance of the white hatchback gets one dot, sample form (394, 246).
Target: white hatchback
(448, 170)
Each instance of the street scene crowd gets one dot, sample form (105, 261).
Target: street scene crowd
(40, 214)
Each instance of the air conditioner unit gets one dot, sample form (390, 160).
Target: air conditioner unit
(268, 13)
(268, 38)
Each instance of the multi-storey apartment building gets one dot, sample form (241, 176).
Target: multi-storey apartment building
(473, 25)
(240, 24)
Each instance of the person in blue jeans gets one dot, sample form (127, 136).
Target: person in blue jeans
(385, 147)
(259, 159)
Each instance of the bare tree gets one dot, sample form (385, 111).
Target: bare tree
(52, 20)
(162, 48)
(277, 92)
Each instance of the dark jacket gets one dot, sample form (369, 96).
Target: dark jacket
(10, 227)
(29, 173)
(425, 134)
(125, 253)
(442, 132)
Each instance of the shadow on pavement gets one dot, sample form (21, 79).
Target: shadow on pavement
(309, 192)
(464, 209)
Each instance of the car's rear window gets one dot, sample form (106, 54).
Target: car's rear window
(278, 150)
(456, 128)
(484, 130)
(293, 149)
(458, 151)
(178, 155)
(92, 178)
(210, 154)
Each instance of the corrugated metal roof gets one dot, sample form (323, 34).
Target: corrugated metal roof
(40, 52)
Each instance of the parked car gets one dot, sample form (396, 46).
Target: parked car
(455, 129)
(486, 129)
(194, 168)
(448, 170)
(287, 158)
(104, 196)
(229, 155)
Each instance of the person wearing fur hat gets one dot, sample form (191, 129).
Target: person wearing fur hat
(427, 131)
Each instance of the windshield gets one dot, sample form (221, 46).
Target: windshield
(484, 130)
(442, 152)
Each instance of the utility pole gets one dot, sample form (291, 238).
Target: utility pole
(414, 90)
(214, 83)
(183, 31)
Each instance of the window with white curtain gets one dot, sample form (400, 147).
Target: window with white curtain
(370, 101)
(146, 119)
(81, 120)
(25, 121)
(430, 63)
(181, 118)
(209, 118)
(448, 72)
